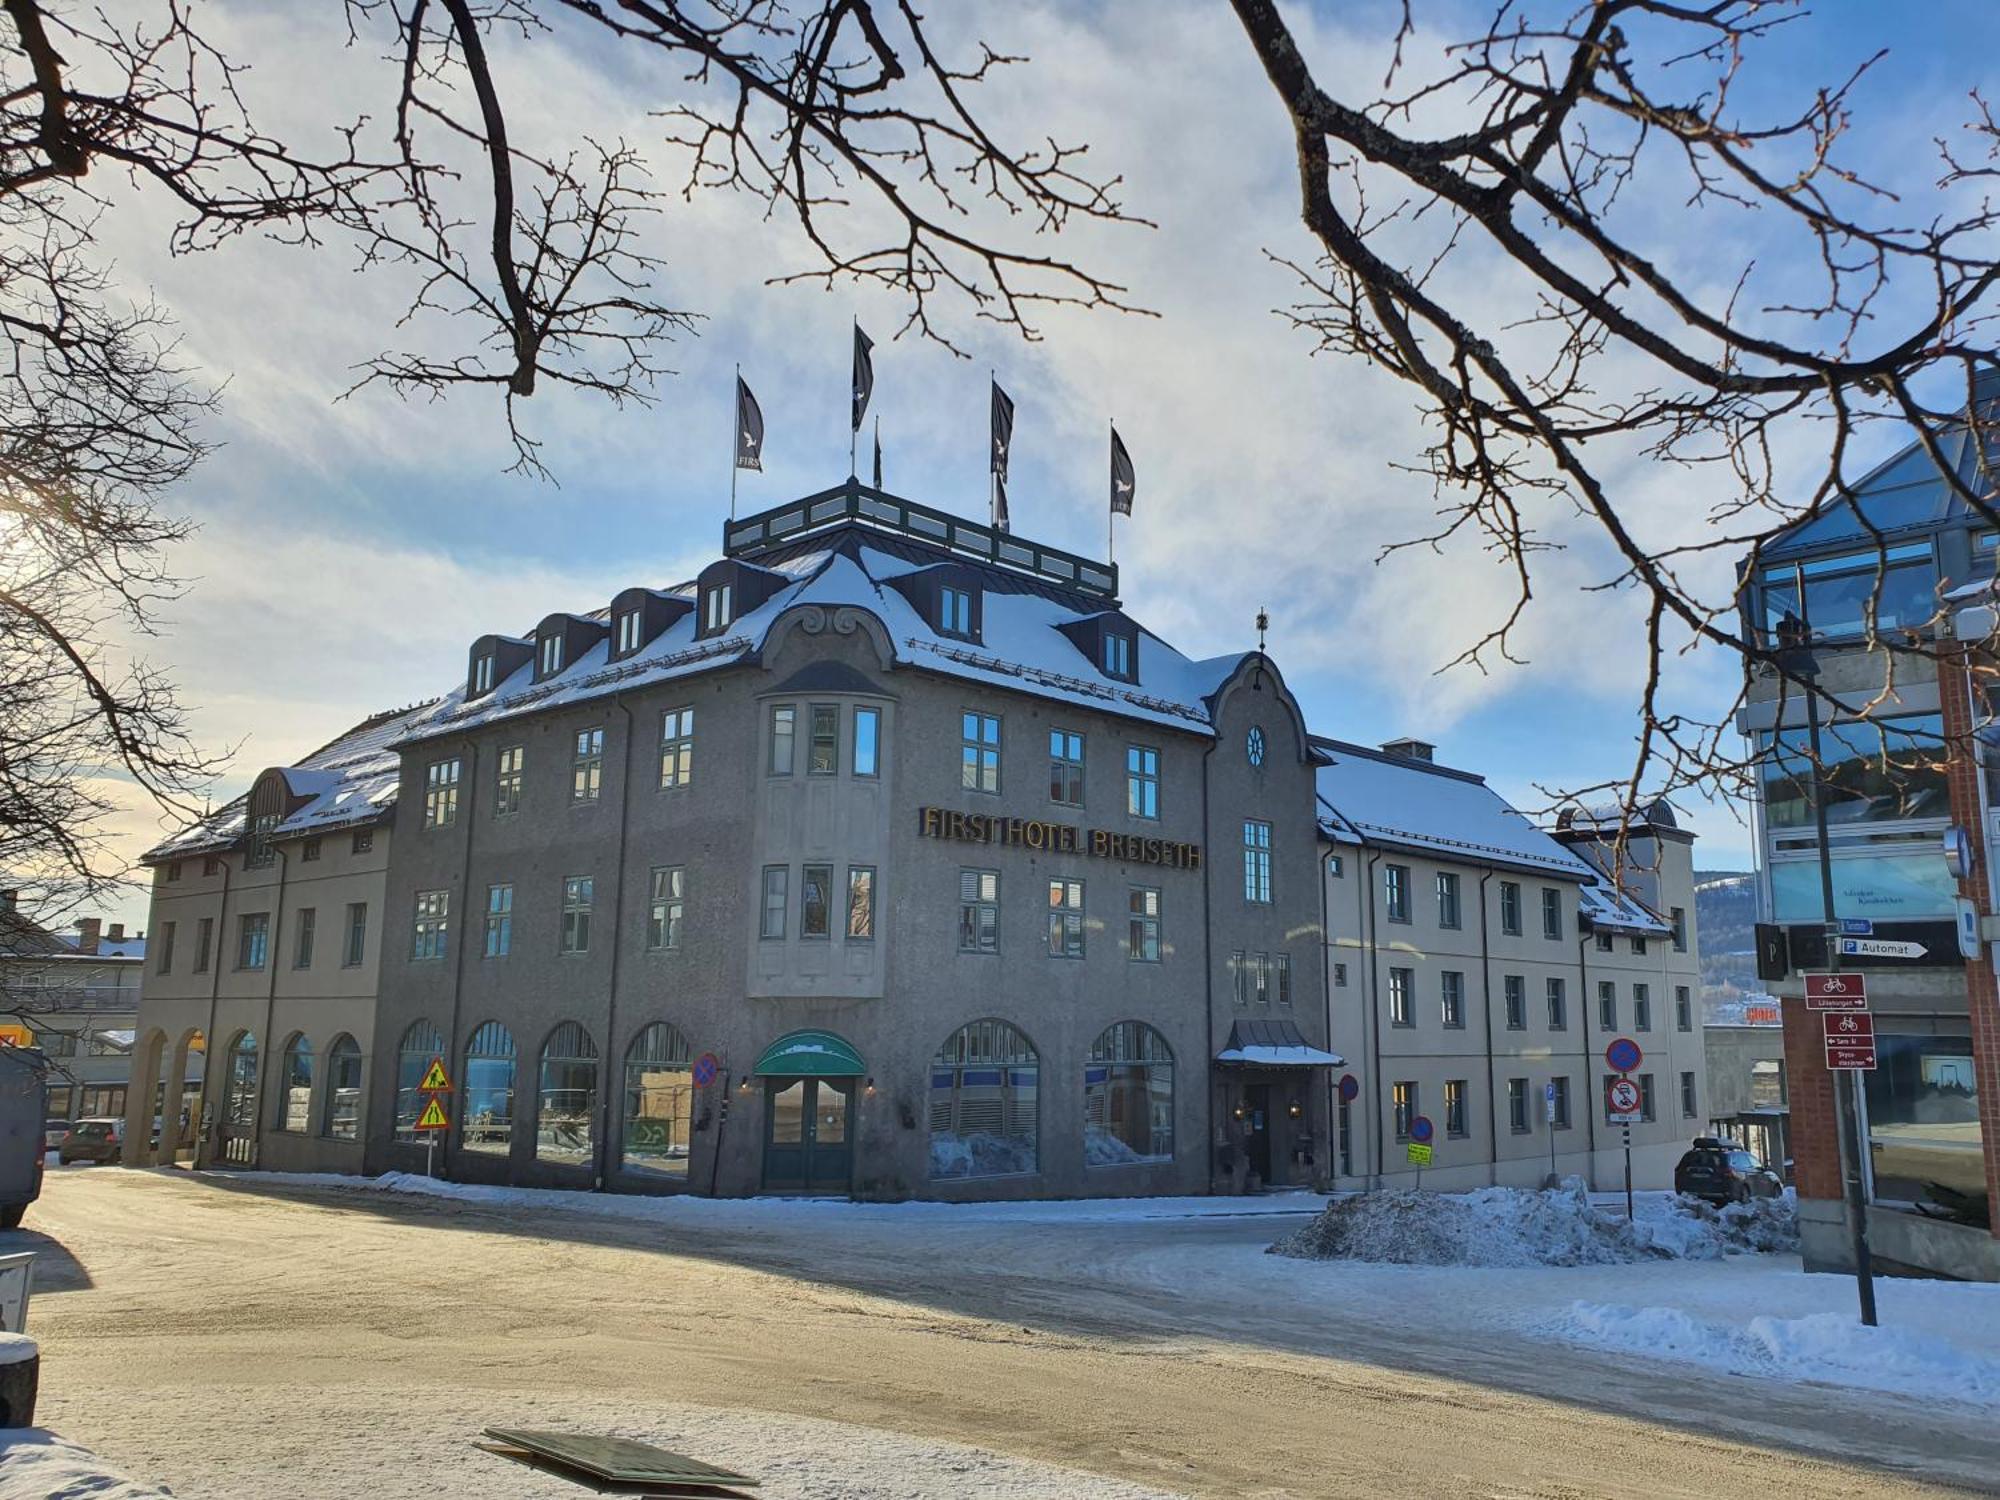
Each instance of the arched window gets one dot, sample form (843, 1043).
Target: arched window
(343, 1090)
(487, 1121)
(239, 1108)
(1128, 1097)
(568, 1101)
(659, 1102)
(295, 1084)
(985, 1092)
(421, 1043)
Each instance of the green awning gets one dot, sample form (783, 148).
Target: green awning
(806, 1054)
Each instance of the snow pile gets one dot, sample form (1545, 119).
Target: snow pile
(35, 1464)
(1827, 1348)
(1517, 1227)
(981, 1154)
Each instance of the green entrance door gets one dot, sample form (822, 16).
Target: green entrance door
(808, 1144)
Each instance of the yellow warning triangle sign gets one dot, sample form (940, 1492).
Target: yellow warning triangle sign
(435, 1079)
(433, 1117)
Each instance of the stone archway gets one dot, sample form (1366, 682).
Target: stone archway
(141, 1091)
(180, 1113)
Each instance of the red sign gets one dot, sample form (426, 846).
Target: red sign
(1762, 1015)
(1850, 1041)
(1836, 992)
(1623, 1099)
(1849, 1027)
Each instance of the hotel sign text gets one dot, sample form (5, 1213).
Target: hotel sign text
(1056, 838)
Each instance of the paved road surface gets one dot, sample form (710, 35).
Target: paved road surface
(220, 1335)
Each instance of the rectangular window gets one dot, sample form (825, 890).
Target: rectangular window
(1689, 1102)
(860, 903)
(1560, 1106)
(1683, 1009)
(979, 911)
(579, 894)
(1117, 656)
(1607, 1005)
(173, 871)
(716, 609)
(676, 748)
(1516, 989)
(507, 780)
(1404, 1099)
(309, 849)
(252, 933)
(1642, 1008)
(166, 964)
(1558, 1004)
(823, 740)
(979, 752)
(1257, 862)
(1402, 1011)
(433, 923)
(587, 772)
(441, 793)
(1680, 922)
(1239, 978)
(210, 865)
(1144, 928)
(867, 742)
(204, 940)
(1451, 984)
(1552, 914)
(1447, 894)
(499, 920)
(1336, 866)
(664, 905)
(1260, 978)
(1604, 942)
(1874, 770)
(1142, 781)
(1281, 972)
(777, 901)
(1066, 919)
(1455, 1123)
(1877, 589)
(1510, 908)
(1639, 947)
(355, 949)
(1646, 1098)
(482, 674)
(628, 632)
(954, 611)
(552, 652)
(1396, 892)
(1065, 768)
(364, 841)
(816, 901)
(784, 736)
(302, 952)
(1517, 1105)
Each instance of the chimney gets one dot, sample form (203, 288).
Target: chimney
(1410, 749)
(86, 934)
(117, 932)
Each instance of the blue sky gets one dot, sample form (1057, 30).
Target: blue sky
(350, 550)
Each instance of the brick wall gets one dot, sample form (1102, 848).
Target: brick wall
(1815, 1128)
(1962, 775)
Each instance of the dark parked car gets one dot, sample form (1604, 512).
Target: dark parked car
(1721, 1171)
(92, 1140)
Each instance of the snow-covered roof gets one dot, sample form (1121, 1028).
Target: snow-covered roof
(1368, 797)
(1020, 648)
(350, 781)
(1610, 908)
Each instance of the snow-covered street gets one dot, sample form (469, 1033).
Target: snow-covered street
(266, 1336)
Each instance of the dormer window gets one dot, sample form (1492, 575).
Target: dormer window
(715, 608)
(482, 675)
(552, 654)
(629, 632)
(1118, 656)
(954, 611)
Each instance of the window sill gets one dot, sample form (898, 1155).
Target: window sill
(1115, 1166)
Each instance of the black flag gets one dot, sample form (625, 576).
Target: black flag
(749, 429)
(1122, 478)
(1003, 437)
(864, 374)
(1000, 501)
(878, 453)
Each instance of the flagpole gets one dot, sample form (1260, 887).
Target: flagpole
(853, 423)
(1111, 512)
(992, 474)
(736, 443)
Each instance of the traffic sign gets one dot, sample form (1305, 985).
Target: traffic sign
(1623, 1055)
(1858, 947)
(1836, 992)
(705, 1068)
(1856, 926)
(1850, 1026)
(1420, 1154)
(1851, 1052)
(1623, 1101)
(1421, 1130)
(434, 1079)
(1549, 1100)
(1350, 1088)
(433, 1117)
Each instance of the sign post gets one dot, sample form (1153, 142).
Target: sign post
(433, 1119)
(1624, 1102)
(1549, 1118)
(1421, 1133)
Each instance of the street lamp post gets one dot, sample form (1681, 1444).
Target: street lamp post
(1795, 652)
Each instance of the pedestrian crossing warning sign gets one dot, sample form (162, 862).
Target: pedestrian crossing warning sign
(434, 1079)
(433, 1117)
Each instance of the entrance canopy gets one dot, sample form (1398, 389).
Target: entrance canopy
(1273, 1044)
(810, 1054)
